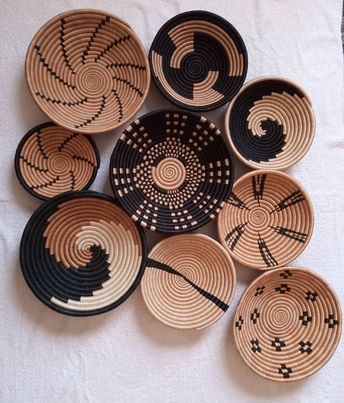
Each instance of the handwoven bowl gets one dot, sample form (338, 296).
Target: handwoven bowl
(270, 123)
(171, 171)
(198, 60)
(189, 281)
(287, 324)
(87, 70)
(81, 254)
(51, 160)
(267, 220)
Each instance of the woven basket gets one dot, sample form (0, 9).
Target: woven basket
(267, 221)
(171, 171)
(81, 254)
(51, 160)
(87, 70)
(270, 123)
(287, 324)
(189, 281)
(198, 60)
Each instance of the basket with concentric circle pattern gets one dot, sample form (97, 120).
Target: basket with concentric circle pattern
(267, 220)
(198, 60)
(81, 254)
(287, 324)
(51, 160)
(189, 281)
(171, 171)
(87, 70)
(270, 123)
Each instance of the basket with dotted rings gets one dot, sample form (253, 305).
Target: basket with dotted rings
(198, 60)
(87, 70)
(171, 171)
(287, 324)
(81, 254)
(267, 220)
(189, 281)
(270, 123)
(51, 160)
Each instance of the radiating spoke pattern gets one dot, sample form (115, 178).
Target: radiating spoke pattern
(87, 70)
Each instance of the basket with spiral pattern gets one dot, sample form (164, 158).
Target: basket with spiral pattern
(198, 60)
(171, 171)
(51, 160)
(287, 324)
(270, 123)
(87, 70)
(81, 254)
(267, 220)
(189, 281)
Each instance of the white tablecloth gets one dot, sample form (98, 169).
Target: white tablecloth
(127, 355)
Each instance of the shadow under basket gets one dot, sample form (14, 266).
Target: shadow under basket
(189, 281)
(81, 254)
(87, 70)
(267, 221)
(287, 324)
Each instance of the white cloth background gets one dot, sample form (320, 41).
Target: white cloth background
(126, 355)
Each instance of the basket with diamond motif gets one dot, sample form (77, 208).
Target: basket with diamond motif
(287, 324)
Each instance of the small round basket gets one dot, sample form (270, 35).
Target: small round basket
(51, 160)
(267, 220)
(198, 60)
(87, 71)
(81, 254)
(287, 324)
(171, 171)
(189, 281)
(270, 123)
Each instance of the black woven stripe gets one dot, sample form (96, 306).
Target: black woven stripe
(58, 101)
(78, 157)
(91, 40)
(45, 184)
(114, 43)
(73, 180)
(120, 105)
(40, 145)
(290, 233)
(234, 236)
(51, 71)
(95, 116)
(134, 66)
(32, 165)
(67, 140)
(63, 48)
(132, 86)
(267, 256)
(158, 265)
